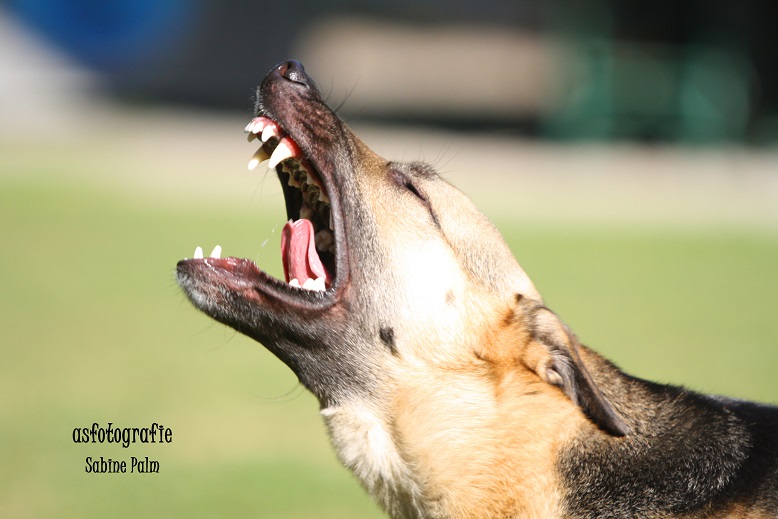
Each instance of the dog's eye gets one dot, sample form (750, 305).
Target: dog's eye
(402, 180)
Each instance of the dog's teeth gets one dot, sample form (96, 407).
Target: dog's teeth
(306, 213)
(259, 126)
(323, 240)
(319, 285)
(198, 253)
(260, 156)
(216, 252)
(310, 284)
(295, 283)
(268, 132)
(332, 226)
(324, 198)
(282, 152)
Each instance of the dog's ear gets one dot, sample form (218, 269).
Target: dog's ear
(557, 361)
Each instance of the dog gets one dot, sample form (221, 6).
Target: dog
(448, 387)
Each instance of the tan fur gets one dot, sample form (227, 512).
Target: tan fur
(463, 382)
(471, 419)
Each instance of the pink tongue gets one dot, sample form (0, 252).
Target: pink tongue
(298, 253)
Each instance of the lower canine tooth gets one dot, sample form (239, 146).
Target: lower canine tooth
(217, 252)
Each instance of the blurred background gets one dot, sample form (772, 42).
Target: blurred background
(627, 150)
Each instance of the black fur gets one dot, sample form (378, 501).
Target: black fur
(686, 453)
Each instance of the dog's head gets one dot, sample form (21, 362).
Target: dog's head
(392, 275)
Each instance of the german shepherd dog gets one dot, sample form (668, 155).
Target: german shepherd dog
(448, 387)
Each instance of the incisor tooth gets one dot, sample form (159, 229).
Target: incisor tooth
(295, 283)
(217, 252)
(258, 126)
(280, 154)
(309, 284)
(198, 253)
(259, 156)
(319, 284)
(267, 132)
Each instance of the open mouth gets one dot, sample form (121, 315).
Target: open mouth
(308, 245)
(307, 240)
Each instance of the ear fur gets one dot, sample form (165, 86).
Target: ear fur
(561, 365)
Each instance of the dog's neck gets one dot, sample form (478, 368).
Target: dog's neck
(437, 455)
(458, 445)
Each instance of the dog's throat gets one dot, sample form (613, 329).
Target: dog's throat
(301, 261)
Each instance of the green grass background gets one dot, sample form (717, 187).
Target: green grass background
(94, 329)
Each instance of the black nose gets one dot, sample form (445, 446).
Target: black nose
(293, 71)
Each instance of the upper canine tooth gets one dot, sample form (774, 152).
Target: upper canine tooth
(259, 156)
(217, 252)
(198, 253)
(283, 151)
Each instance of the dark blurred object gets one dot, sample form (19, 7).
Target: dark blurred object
(692, 71)
(110, 36)
(688, 70)
(196, 52)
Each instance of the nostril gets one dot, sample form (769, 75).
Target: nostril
(293, 71)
